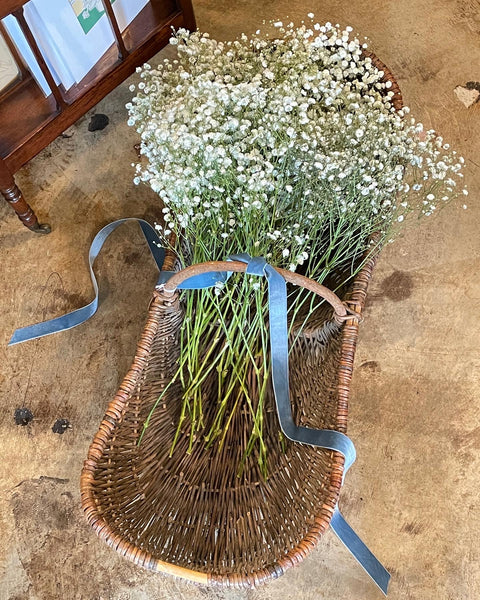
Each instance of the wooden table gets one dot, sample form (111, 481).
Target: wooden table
(29, 121)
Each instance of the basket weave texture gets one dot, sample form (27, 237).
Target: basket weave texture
(191, 515)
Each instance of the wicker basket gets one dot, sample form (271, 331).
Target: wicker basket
(191, 515)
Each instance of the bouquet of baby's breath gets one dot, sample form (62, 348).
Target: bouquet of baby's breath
(284, 146)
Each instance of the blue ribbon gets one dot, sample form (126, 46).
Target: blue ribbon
(277, 306)
(76, 317)
(321, 438)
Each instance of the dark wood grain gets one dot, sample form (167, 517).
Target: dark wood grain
(8, 7)
(122, 51)
(13, 196)
(39, 57)
(188, 15)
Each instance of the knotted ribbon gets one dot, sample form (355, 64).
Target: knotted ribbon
(277, 306)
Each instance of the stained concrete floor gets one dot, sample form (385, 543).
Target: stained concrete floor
(413, 493)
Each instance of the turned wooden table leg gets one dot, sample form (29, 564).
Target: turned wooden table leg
(13, 196)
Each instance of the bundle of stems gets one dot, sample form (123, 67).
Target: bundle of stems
(285, 147)
(225, 343)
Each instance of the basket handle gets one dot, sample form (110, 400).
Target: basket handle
(342, 312)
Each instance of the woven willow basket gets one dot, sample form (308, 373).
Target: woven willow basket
(191, 515)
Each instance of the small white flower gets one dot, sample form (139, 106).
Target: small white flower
(229, 130)
(219, 287)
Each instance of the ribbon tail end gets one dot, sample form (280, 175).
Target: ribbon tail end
(370, 563)
(13, 340)
(384, 586)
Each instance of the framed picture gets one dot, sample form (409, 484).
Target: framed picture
(88, 12)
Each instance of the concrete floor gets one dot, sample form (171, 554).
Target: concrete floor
(413, 493)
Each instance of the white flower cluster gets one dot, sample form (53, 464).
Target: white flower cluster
(277, 145)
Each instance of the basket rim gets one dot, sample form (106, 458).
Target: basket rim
(116, 407)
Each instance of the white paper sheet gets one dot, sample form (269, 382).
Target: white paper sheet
(48, 46)
(16, 35)
(126, 10)
(71, 52)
